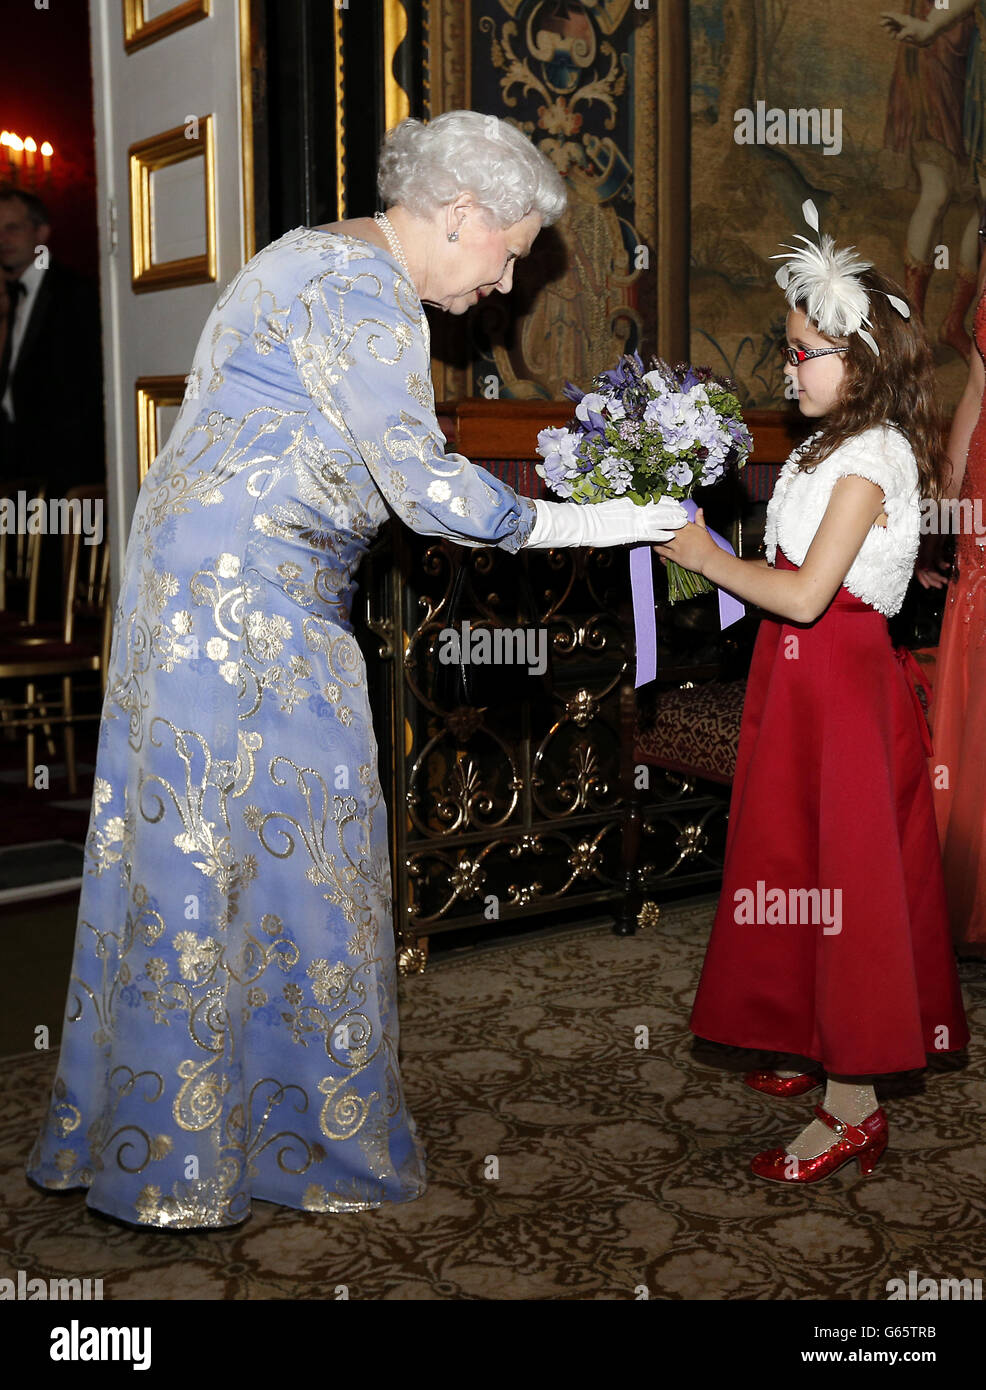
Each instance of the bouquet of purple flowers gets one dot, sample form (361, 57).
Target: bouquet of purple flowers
(644, 435)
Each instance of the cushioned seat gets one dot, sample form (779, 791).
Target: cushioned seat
(694, 731)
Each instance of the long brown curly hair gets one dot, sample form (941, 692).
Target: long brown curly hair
(898, 388)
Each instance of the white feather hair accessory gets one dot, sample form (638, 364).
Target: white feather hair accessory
(826, 282)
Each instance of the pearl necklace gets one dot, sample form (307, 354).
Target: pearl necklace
(386, 226)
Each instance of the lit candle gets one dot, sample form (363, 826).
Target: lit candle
(46, 153)
(32, 149)
(16, 146)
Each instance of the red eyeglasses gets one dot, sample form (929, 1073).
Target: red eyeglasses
(798, 355)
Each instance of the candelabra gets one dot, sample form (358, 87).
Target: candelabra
(24, 163)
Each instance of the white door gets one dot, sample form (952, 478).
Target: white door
(170, 159)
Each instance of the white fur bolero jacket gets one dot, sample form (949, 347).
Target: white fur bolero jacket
(882, 570)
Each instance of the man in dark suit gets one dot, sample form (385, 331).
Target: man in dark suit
(51, 395)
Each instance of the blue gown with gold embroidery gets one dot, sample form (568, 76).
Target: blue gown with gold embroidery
(231, 1027)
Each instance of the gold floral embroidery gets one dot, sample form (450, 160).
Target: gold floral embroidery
(267, 635)
(421, 390)
(156, 589)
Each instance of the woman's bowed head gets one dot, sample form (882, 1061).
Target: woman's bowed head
(466, 195)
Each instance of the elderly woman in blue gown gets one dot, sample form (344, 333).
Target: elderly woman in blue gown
(231, 1028)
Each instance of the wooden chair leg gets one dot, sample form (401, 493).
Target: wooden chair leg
(49, 735)
(29, 741)
(73, 784)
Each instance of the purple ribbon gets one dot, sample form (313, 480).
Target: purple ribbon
(644, 618)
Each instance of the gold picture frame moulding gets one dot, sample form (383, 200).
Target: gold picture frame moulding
(152, 392)
(339, 80)
(146, 156)
(397, 103)
(246, 133)
(138, 30)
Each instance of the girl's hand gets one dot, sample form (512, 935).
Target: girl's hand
(932, 569)
(692, 547)
(934, 579)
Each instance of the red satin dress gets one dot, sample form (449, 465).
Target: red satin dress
(832, 792)
(958, 711)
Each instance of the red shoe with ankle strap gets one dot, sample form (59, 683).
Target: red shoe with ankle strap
(865, 1141)
(770, 1084)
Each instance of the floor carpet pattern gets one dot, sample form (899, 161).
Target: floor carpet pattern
(582, 1145)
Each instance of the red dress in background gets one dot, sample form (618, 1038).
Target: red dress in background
(958, 711)
(832, 791)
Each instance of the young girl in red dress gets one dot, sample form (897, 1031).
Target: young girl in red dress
(831, 941)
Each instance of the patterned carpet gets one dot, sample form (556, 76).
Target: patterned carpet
(619, 1165)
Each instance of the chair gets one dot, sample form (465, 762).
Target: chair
(677, 761)
(82, 644)
(20, 560)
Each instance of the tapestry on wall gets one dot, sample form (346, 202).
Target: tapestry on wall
(580, 78)
(793, 101)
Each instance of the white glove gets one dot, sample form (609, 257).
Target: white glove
(616, 522)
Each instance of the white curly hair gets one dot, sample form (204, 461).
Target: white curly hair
(426, 166)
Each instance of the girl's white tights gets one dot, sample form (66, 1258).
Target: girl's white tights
(845, 1101)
